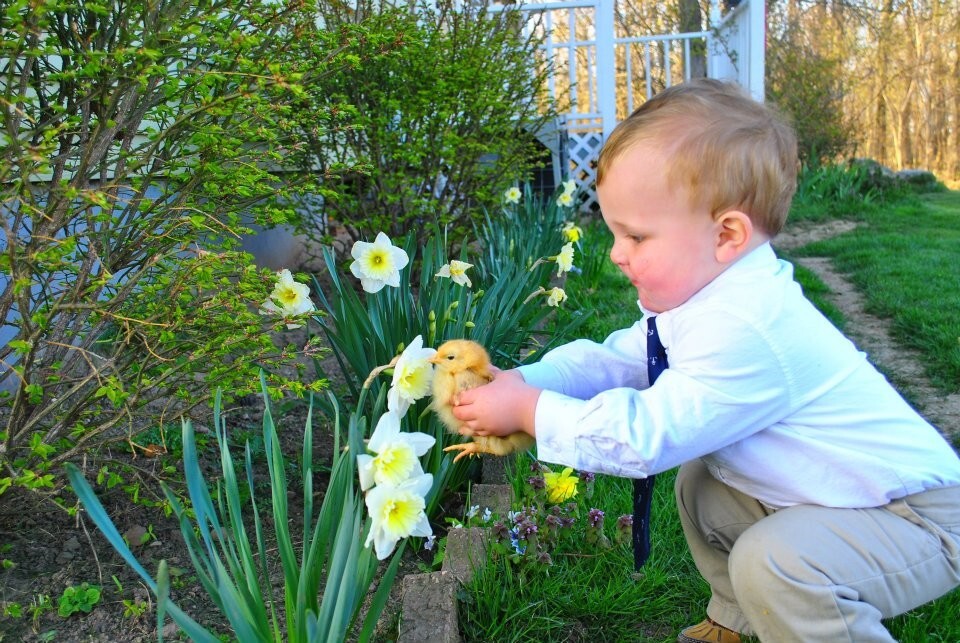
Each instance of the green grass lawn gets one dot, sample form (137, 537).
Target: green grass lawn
(904, 258)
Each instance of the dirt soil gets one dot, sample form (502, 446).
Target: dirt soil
(50, 550)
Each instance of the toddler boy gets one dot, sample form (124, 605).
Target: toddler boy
(814, 500)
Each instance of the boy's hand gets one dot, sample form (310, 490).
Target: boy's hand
(504, 406)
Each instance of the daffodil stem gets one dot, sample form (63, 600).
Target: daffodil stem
(373, 374)
(536, 293)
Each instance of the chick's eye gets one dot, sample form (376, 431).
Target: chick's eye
(451, 357)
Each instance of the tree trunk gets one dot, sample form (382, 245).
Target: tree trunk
(691, 20)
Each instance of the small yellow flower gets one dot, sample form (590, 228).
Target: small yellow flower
(560, 486)
(556, 296)
(571, 232)
(564, 259)
(456, 271)
(565, 200)
(512, 195)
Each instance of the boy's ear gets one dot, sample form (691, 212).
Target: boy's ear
(735, 235)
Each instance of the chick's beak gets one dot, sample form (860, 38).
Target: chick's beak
(434, 359)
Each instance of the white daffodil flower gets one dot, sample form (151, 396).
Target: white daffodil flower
(288, 299)
(564, 259)
(412, 377)
(565, 200)
(377, 264)
(398, 512)
(571, 232)
(512, 195)
(556, 296)
(569, 187)
(397, 454)
(456, 271)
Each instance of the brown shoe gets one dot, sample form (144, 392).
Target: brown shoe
(708, 631)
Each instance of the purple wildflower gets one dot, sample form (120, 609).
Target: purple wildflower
(595, 517)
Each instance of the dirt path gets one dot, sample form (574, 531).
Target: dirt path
(872, 334)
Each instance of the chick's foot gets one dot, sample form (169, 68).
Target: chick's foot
(466, 449)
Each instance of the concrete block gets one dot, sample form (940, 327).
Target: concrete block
(495, 497)
(466, 550)
(493, 470)
(429, 609)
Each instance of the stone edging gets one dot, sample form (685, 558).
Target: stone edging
(429, 601)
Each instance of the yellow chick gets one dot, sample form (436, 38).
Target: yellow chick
(463, 364)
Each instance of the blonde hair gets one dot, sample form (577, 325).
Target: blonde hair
(728, 150)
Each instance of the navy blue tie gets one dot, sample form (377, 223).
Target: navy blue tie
(643, 487)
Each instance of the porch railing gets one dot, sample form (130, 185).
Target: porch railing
(599, 74)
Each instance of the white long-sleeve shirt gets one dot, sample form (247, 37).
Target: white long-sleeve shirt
(762, 387)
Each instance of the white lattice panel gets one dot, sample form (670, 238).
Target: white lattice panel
(583, 148)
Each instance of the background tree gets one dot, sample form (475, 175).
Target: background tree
(805, 80)
(892, 64)
(441, 125)
(879, 78)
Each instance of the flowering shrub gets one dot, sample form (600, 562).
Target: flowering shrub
(137, 145)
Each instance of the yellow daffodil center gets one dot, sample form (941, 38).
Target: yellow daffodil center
(399, 514)
(414, 380)
(287, 295)
(377, 263)
(394, 463)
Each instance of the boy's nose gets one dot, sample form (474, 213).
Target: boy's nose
(616, 255)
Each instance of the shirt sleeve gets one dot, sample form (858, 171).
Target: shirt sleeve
(720, 387)
(583, 368)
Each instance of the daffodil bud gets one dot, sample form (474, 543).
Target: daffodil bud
(470, 324)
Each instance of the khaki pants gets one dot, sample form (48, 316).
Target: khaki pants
(810, 573)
